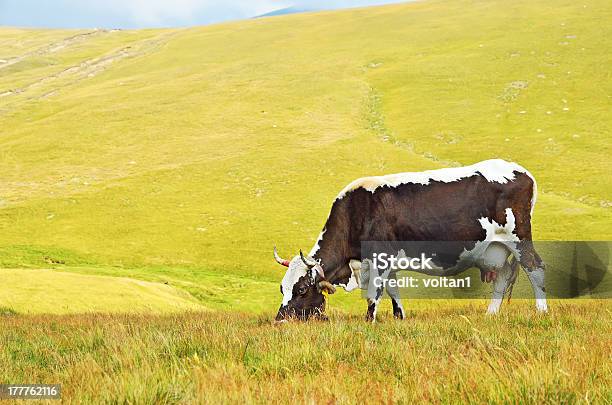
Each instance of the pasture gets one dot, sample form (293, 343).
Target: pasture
(146, 174)
(446, 354)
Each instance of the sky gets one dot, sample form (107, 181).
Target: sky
(150, 13)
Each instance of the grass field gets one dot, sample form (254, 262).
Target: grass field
(56, 292)
(452, 355)
(152, 171)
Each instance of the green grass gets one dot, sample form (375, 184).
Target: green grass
(55, 292)
(447, 355)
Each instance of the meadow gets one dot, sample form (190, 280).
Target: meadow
(441, 355)
(145, 176)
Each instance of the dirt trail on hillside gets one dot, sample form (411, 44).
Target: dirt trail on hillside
(87, 68)
(54, 47)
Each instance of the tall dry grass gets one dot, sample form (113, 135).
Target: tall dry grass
(442, 355)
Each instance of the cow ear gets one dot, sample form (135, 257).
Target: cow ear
(326, 286)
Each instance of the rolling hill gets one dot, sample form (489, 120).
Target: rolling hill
(184, 155)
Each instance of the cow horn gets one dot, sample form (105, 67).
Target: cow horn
(327, 286)
(312, 264)
(308, 264)
(279, 259)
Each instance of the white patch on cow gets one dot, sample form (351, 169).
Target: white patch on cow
(351, 285)
(354, 279)
(494, 306)
(295, 271)
(494, 170)
(494, 257)
(499, 232)
(505, 277)
(488, 255)
(536, 277)
(541, 305)
(376, 302)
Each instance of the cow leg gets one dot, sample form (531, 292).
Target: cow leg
(505, 278)
(398, 309)
(534, 268)
(536, 277)
(356, 269)
(372, 308)
(495, 266)
(375, 292)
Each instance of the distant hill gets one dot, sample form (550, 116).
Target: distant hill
(286, 10)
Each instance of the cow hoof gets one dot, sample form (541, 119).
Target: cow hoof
(541, 307)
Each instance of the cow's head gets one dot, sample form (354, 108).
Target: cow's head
(303, 289)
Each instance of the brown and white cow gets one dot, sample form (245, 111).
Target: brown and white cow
(490, 200)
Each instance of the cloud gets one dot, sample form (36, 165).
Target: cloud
(332, 4)
(158, 12)
(149, 13)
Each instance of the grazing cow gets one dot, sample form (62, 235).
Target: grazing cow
(489, 201)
